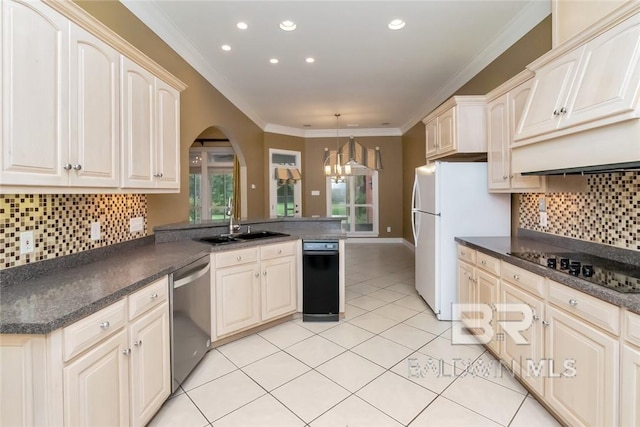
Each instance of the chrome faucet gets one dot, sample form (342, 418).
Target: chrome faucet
(233, 228)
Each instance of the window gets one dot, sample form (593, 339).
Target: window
(356, 198)
(210, 182)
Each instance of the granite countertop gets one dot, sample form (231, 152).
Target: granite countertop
(50, 296)
(501, 247)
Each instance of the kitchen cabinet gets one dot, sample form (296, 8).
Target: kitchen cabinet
(504, 110)
(630, 386)
(65, 75)
(593, 85)
(254, 286)
(457, 126)
(570, 17)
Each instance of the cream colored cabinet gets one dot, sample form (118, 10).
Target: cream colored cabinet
(525, 359)
(237, 297)
(278, 287)
(35, 131)
(583, 387)
(466, 289)
(504, 110)
(630, 386)
(457, 126)
(488, 287)
(150, 371)
(570, 17)
(150, 111)
(593, 85)
(96, 385)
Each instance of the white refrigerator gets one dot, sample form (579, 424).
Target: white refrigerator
(451, 200)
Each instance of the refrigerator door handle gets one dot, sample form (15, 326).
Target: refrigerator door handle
(414, 218)
(415, 191)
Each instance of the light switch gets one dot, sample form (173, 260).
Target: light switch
(315, 192)
(26, 242)
(543, 219)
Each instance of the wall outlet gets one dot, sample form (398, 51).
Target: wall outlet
(136, 224)
(315, 192)
(543, 219)
(388, 229)
(26, 242)
(95, 230)
(542, 203)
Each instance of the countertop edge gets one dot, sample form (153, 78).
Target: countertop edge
(629, 302)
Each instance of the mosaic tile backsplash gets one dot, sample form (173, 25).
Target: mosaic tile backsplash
(608, 213)
(61, 223)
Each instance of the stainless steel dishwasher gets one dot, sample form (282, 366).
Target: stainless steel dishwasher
(190, 318)
(320, 281)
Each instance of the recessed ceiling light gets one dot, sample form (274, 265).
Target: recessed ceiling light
(288, 25)
(396, 24)
(242, 25)
(225, 47)
(274, 60)
(310, 60)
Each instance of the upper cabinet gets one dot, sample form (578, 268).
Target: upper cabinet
(570, 17)
(592, 85)
(457, 126)
(504, 109)
(72, 113)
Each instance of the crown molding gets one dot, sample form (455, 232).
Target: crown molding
(331, 133)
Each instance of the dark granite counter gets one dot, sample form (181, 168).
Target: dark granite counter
(48, 295)
(501, 247)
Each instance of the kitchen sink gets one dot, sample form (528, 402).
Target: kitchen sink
(225, 239)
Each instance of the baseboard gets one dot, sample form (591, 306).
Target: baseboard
(409, 244)
(374, 240)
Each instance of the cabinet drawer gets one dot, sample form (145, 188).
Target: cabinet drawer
(240, 256)
(632, 328)
(467, 254)
(591, 309)
(488, 263)
(278, 249)
(148, 297)
(86, 332)
(524, 279)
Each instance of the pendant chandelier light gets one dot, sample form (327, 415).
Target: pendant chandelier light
(337, 170)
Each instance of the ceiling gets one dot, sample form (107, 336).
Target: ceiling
(382, 82)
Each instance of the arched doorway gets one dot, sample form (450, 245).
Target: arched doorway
(215, 177)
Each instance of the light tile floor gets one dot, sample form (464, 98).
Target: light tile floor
(390, 362)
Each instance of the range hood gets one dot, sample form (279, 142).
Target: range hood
(589, 170)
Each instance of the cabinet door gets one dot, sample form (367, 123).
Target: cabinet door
(447, 131)
(590, 397)
(630, 391)
(498, 141)
(35, 81)
(432, 134)
(237, 298)
(487, 296)
(466, 289)
(517, 101)
(278, 287)
(96, 385)
(138, 135)
(167, 147)
(548, 96)
(94, 109)
(609, 76)
(525, 359)
(150, 364)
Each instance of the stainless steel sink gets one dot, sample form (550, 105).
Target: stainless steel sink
(225, 239)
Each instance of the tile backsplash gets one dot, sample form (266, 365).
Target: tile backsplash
(61, 223)
(608, 212)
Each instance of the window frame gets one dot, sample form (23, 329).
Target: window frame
(351, 205)
(205, 187)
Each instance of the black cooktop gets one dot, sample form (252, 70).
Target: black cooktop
(615, 275)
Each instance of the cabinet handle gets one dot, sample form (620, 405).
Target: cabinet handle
(126, 351)
(516, 277)
(257, 274)
(563, 110)
(545, 323)
(264, 273)
(158, 175)
(511, 176)
(104, 325)
(279, 251)
(67, 166)
(536, 317)
(138, 343)
(505, 177)
(556, 113)
(573, 302)
(77, 167)
(238, 258)
(154, 296)
(462, 253)
(483, 262)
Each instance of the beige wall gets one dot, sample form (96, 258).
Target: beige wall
(515, 59)
(201, 106)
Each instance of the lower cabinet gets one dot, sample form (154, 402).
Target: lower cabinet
(630, 386)
(254, 285)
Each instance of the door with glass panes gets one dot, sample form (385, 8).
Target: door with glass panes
(355, 197)
(285, 193)
(210, 182)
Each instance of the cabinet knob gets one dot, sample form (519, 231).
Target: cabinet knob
(138, 343)
(104, 325)
(511, 176)
(483, 262)
(77, 167)
(279, 251)
(536, 317)
(257, 274)
(126, 351)
(516, 277)
(505, 177)
(264, 273)
(573, 302)
(238, 258)
(158, 175)
(154, 296)
(67, 166)
(556, 113)
(563, 110)
(545, 323)
(462, 253)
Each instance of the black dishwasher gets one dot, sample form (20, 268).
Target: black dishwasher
(320, 281)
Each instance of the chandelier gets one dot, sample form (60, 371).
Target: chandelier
(337, 171)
